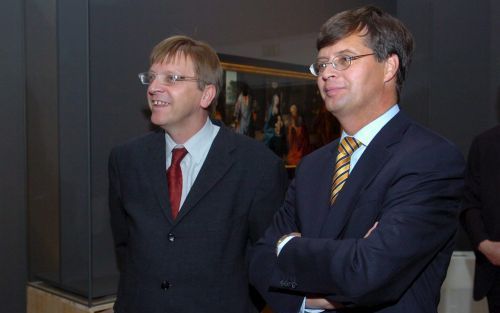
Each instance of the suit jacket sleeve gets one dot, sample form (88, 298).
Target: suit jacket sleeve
(471, 217)
(263, 258)
(268, 198)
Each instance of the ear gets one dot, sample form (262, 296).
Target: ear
(391, 67)
(207, 96)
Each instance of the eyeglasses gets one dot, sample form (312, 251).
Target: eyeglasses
(340, 63)
(147, 78)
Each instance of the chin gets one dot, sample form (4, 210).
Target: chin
(158, 121)
(332, 107)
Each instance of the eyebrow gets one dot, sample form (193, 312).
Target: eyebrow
(342, 52)
(166, 73)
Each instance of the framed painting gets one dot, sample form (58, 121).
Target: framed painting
(276, 103)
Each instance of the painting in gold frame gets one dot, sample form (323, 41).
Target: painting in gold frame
(276, 103)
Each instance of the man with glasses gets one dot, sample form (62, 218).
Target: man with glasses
(369, 221)
(190, 198)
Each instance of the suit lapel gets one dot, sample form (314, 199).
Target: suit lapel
(219, 160)
(155, 156)
(368, 166)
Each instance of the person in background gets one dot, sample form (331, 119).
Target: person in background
(243, 110)
(274, 131)
(481, 214)
(369, 221)
(297, 137)
(188, 199)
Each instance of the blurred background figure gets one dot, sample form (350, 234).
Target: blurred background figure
(297, 137)
(274, 133)
(243, 110)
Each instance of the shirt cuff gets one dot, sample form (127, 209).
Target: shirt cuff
(283, 243)
(304, 310)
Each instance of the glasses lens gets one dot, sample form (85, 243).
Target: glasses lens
(169, 79)
(314, 69)
(341, 62)
(145, 78)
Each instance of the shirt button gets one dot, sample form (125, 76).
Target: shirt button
(165, 285)
(171, 237)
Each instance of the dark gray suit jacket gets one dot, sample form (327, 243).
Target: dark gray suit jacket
(481, 215)
(196, 263)
(409, 180)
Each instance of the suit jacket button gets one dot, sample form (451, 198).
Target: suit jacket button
(165, 285)
(171, 237)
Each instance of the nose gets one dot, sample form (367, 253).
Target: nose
(154, 87)
(328, 72)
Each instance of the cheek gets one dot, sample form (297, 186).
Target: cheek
(320, 84)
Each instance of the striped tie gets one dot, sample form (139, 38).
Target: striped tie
(346, 147)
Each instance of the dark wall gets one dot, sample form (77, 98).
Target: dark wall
(13, 259)
(42, 135)
(453, 81)
(453, 84)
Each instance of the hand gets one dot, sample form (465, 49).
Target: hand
(370, 230)
(321, 303)
(491, 250)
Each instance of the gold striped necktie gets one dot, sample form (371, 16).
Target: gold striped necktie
(342, 165)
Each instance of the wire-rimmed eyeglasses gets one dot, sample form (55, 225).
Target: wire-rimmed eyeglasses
(147, 78)
(340, 63)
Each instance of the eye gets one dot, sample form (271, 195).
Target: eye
(170, 79)
(343, 60)
(150, 76)
(320, 67)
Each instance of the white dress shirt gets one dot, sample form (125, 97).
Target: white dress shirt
(197, 147)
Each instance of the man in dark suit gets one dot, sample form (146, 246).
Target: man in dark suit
(481, 215)
(368, 224)
(188, 200)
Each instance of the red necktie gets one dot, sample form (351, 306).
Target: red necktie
(174, 179)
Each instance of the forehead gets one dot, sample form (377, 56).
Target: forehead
(178, 62)
(352, 44)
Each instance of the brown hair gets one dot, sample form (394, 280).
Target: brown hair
(384, 34)
(206, 62)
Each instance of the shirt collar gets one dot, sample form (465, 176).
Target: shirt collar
(198, 145)
(369, 131)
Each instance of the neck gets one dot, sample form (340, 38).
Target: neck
(181, 134)
(352, 122)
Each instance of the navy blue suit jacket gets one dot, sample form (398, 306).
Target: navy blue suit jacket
(410, 181)
(197, 262)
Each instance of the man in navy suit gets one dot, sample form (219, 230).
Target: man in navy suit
(189, 199)
(369, 221)
(481, 215)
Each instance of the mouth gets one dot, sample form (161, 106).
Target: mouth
(157, 103)
(332, 90)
